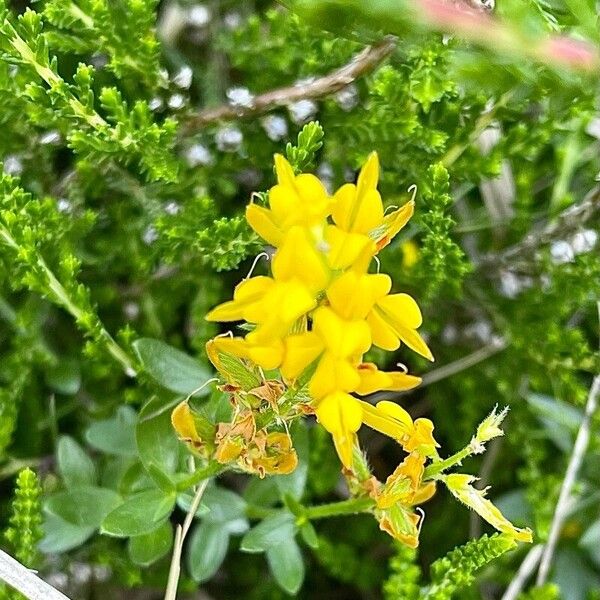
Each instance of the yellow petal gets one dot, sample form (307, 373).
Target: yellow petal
(266, 353)
(359, 208)
(415, 342)
(298, 259)
(424, 493)
(341, 415)
(333, 374)
(344, 339)
(261, 220)
(284, 171)
(382, 334)
(369, 175)
(403, 316)
(183, 422)
(343, 200)
(461, 488)
(368, 213)
(392, 224)
(315, 199)
(345, 248)
(352, 295)
(286, 206)
(385, 423)
(228, 345)
(300, 351)
(293, 300)
(246, 301)
(401, 308)
(395, 411)
(373, 380)
(421, 438)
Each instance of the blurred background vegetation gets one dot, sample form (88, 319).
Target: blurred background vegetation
(127, 163)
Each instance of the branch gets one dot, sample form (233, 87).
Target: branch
(564, 224)
(525, 571)
(364, 62)
(563, 505)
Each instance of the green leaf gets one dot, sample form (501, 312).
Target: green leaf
(74, 465)
(61, 536)
(273, 530)
(309, 535)
(262, 492)
(148, 548)
(208, 547)
(139, 514)
(559, 419)
(157, 445)
(84, 506)
(65, 377)
(286, 564)
(170, 367)
(115, 435)
(223, 505)
(590, 541)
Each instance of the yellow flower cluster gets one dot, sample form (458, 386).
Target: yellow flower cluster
(321, 310)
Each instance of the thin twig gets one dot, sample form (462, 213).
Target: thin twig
(528, 566)
(565, 223)
(180, 533)
(563, 505)
(364, 62)
(494, 347)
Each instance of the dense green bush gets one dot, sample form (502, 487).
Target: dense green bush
(134, 134)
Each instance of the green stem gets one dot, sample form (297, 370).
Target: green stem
(259, 512)
(212, 469)
(62, 298)
(437, 467)
(336, 509)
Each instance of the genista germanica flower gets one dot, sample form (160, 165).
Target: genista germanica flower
(321, 309)
(308, 326)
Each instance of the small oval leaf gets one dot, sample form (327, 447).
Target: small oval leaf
(170, 367)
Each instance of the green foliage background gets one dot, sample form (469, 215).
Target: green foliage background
(120, 221)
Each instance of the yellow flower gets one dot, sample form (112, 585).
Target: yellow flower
(295, 200)
(276, 303)
(395, 319)
(401, 523)
(193, 429)
(360, 222)
(392, 318)
(272, 454)
(341, 415)
(340, 344)
(461, 488)
(392, 420)
(404, 484)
